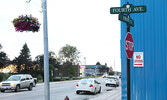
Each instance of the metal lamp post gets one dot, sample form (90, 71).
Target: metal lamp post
(46, 58)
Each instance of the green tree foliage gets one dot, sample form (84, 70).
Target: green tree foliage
(98, 63)
(111, 73)
(52, 59)
(24, 61)
(103, 69)
(4, 60)
(69, 57)
(68, 70)
(53, 63)
(39, 62)
(69, 54)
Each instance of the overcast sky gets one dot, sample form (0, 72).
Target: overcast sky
(85, 24)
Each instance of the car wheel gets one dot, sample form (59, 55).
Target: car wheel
(99, 90)
(30, 87)
(77, 92)
(17, 88)
(2, 90)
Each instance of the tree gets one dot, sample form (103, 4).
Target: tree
(111, 73)
(52, 59)
(98, 63)
(103, 69)
(53, 63)
(23, 61)
(4, 60)
(69, 54)
(69, 58)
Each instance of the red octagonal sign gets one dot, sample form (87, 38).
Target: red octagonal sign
(129, 45)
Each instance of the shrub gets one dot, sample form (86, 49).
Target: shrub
(40, 78)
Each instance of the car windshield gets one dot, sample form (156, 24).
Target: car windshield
(14, 78)
(86, 81)
(111, 78)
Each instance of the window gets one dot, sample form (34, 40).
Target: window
(14, 78)
(27, 78)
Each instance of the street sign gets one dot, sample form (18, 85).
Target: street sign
(129, 45)
(127, 8)
(126, 19)
(138, 59)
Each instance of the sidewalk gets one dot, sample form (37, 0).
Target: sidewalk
(115, 94)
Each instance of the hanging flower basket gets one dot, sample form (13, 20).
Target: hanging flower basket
(26, 23)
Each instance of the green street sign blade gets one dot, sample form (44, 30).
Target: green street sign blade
(128, 8)
(126, 19)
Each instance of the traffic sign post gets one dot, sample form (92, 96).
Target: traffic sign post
(126, 19)
(128, 8)
(124, 16)
(129, 52)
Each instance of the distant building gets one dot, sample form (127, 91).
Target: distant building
(93, 70)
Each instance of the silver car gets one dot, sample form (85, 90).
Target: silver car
(17, 82)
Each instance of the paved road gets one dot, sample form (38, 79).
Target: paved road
(59, 90)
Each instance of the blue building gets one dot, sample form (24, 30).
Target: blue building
(150, 37)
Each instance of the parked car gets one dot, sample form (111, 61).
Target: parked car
(88, 85)
(17, 82)
(119, 76)
(112, 81)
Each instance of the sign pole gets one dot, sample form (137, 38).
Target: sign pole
(128, 71)
(128, 66)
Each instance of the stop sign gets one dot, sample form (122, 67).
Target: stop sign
(129, 45)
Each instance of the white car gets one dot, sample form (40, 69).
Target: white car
(88, 85)
(112, 81)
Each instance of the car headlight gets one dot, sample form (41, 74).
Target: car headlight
(0, 84)
(12, 84)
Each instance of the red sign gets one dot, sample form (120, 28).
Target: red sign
(129, 45)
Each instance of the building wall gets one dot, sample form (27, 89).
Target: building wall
(150, 37)
(93, 70)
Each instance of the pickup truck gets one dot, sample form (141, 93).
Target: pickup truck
(17, 82)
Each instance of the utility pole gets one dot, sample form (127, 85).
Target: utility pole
(114, 68)
(85, 60)
(46, 58)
